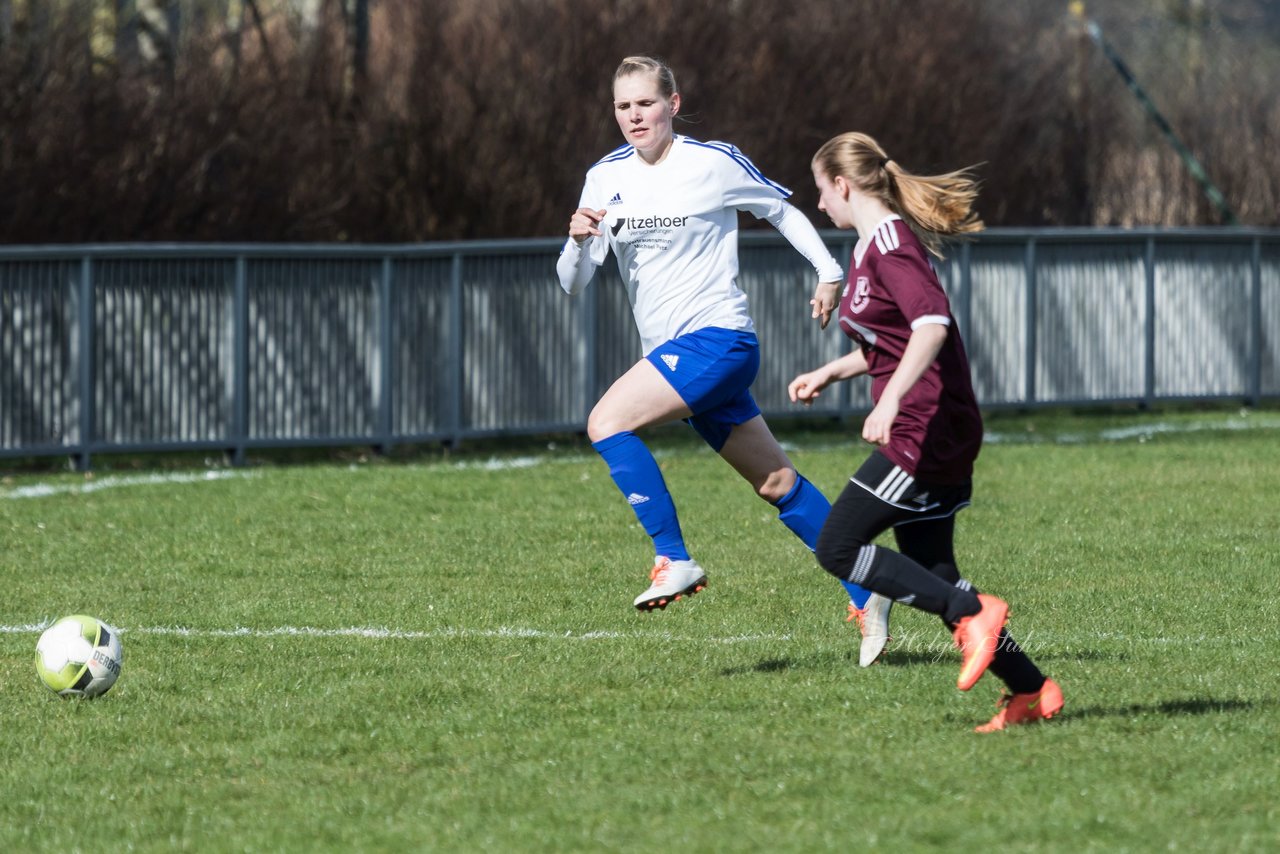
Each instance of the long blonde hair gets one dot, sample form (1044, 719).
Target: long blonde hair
(934, 206)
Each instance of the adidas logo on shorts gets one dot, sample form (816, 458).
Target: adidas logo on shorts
(670, 360)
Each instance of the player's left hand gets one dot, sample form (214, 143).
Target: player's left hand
(824, 302)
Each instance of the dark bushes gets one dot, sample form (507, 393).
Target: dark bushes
(440, 119)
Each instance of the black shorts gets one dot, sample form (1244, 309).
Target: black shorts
(881, 496)
(914, 500)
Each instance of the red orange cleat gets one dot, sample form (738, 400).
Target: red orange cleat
(977, 636)
(1025, 708)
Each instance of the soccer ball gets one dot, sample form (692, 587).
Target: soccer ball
(79, 656)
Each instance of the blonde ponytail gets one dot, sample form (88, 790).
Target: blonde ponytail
(934, 206)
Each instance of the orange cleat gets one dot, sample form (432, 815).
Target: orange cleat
(977, 636)
(1025, 708)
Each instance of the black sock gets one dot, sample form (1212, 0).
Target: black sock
(1014, 668)
(929, 543)
(900, 578)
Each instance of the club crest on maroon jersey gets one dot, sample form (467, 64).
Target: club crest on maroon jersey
(861, 295)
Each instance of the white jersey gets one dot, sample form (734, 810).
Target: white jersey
(673, 228)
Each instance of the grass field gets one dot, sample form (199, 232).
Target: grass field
(443, 656)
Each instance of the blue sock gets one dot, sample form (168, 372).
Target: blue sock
(804, 510)
(636, 473)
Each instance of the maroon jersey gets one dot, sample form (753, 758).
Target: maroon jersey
(892, 289)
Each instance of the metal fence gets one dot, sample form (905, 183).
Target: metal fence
(230, 348)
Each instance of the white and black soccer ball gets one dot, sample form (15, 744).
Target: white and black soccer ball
(79, 656)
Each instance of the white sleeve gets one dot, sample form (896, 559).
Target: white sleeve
(801, 234)
(576, 266)
(578, 261)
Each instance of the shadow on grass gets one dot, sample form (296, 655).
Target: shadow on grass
(898, 659)
(1167, 708)
(889, 659)
(768, 665)
(846, 660)
(1185, 707)
(907, 658)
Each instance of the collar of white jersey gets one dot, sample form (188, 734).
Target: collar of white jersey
(676, 140)
(864, 241)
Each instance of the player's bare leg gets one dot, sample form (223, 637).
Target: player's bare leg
(754, 453)
(637, 399)
(641, 398)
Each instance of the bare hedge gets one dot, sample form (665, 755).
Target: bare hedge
(410, 120)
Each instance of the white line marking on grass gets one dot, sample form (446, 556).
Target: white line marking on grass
(378, 633)
(1146, 431)
(1141, 432)
(500, 464)
(30, 628)
(43, 490)
(907, 642)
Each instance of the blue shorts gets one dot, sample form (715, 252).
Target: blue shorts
(712, 370)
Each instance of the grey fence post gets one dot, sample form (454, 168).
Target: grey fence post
(1149, 327)
(240, 371)
(1255, 331)
(1029, 312)
(84, 370)
(386, 356)
(457, 351)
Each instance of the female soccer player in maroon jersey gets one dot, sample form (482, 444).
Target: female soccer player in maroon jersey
(925, 423)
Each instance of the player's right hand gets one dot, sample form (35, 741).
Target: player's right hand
(825, 299)
(582, 225)
(806, 388)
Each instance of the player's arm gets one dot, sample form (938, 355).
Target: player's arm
(577, 263)
(808, 387)
(745, 188)
(922, 349)
(801, 234)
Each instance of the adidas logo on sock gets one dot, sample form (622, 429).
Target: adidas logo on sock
(670, 360)
(616, 200)
(635, 498)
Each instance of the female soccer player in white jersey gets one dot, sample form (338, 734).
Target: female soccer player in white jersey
(925, 423)
(667, 206)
